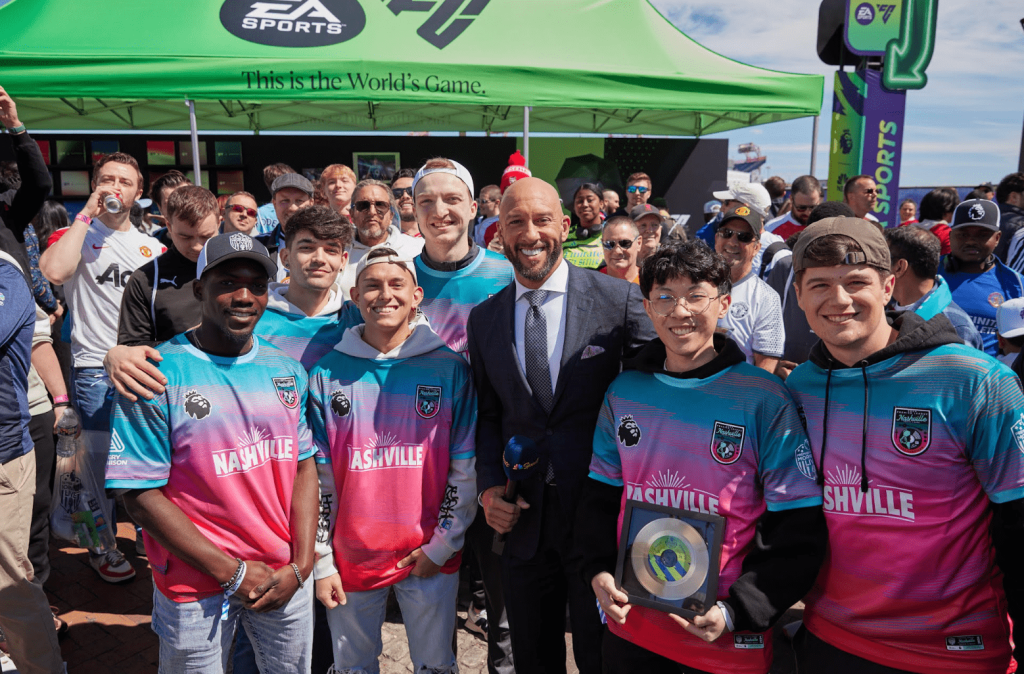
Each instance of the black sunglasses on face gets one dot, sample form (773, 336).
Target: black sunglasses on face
(379, 206)
(742, 237)
(624, 244)
(399, 191)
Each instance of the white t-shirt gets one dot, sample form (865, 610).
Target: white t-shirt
(403, 244)
(94, 291)
(754, 320)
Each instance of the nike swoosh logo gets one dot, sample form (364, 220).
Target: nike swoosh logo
(95, 247)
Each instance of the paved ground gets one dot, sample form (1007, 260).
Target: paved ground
(110, 625)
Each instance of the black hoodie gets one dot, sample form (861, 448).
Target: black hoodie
(788, 547)
(917, 334)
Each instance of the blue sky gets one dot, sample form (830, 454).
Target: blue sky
(963, 128)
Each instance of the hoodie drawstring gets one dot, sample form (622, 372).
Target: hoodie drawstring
(864, 433)
(824, 426)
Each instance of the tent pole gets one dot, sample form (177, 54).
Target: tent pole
(195, 140)
(814, 146)
(526, 134)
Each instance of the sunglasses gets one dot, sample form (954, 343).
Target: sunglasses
(238, 208)
(379, 206)
(624, 244)
(399, 192)
(633, 189)
(742, 237)
(804, 208)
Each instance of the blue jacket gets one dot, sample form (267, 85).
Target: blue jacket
(17, 318)
(939, 299)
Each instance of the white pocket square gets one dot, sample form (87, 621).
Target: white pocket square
(591, 351)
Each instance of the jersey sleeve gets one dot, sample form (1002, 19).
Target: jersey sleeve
(135, 322)
(996, 444)
(768, 336)
(303, 434)
(785, 462)
(463, 433)
(315, 416)
(606, 464)
(140, 444)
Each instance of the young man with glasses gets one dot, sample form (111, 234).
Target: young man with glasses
(806, 194)
(373, 206)
(638, 190)
(240, 214)
(401, 188)
(861, 194)
(658, 441)
(619, 239)
(754, 319)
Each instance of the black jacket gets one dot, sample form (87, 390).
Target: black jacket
(1011, 219)
(150, 316)
(788, 547)
(19, 206)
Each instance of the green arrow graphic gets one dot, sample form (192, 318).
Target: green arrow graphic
(907, 57)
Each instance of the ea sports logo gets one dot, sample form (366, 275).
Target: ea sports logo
(293, 23)
(977, 212)
(865, 14)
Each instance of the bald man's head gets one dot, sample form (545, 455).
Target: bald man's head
(533, 229)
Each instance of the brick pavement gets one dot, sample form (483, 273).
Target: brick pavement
(110, 625)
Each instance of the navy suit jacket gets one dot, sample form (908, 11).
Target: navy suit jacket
(601, 312)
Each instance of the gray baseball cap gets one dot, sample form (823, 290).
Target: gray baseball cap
(291, 180)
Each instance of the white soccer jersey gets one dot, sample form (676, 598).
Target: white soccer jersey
(754, 320)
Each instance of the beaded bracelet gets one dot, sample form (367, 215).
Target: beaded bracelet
(234, 578)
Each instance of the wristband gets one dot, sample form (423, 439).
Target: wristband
(728, 618)
(16, 129)
(235, 583)
(82, 217)
(298, 576)
(57, 400)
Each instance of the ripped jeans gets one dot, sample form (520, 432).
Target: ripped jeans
(428, 611)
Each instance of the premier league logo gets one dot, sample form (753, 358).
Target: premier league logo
(197, 406)
(340, 404)
(727, 442)
(287, 392)
(976, 212)
(911, 430)
(629, 431)
(805, 461)
(428, 401)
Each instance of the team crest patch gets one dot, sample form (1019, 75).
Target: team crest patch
(739, 310)
(805, 461)
(1018, 432)
(340, 404)
(240, 241)
(287, 392)
(146, 252)
(196, 405)
(743, 210)
(428, 401)
(727, 442)
(995, 299)
(629, 431)
(911, 430)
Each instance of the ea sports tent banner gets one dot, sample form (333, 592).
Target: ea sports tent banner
(307, 65)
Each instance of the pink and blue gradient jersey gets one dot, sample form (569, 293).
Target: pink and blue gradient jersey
(449, 296)
(388, 432)
(223, 444)
(307, 339)
(911, 580)
(730, 444)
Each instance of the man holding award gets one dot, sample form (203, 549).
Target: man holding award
(704, 462)
(919, 444)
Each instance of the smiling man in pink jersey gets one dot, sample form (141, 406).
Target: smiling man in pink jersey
(919, 444)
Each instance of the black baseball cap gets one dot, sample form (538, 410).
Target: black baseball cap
(234, 246)
(747, 215)
(976, 213)
(291, 180)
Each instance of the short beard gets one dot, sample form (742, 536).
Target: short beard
(238, 339)
(529, 275)
(408, 217)
(374, 233)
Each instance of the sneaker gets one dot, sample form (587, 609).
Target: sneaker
(112, 567)
(477, 621)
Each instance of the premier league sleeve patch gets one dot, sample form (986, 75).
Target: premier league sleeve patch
(727, 442)
(629, 431)
(196, 405)
(911, 430)
(428, 401)
(340, 404)
(287, 392)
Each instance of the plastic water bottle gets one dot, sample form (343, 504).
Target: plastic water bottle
(67, 428)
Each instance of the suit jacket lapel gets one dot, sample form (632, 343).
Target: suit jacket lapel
(577, 308)
(505, 327)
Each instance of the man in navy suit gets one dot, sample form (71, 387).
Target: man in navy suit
(544, 351)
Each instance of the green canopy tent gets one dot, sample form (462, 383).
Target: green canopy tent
(580, 66)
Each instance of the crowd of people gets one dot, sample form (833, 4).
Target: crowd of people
(305, 405)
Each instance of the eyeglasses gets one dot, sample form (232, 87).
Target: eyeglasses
(695, 303)
(742, 237)
(399, 192)
(633, 189)
(803, 208)
(379, 206)
(238, 208)
(624, 244)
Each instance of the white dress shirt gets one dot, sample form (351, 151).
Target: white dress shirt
(554, 317)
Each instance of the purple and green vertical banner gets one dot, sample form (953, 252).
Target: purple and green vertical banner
(867, 137)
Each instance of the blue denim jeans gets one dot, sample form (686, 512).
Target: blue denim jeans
(194, 639)
(94, 398)
(428, 611)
